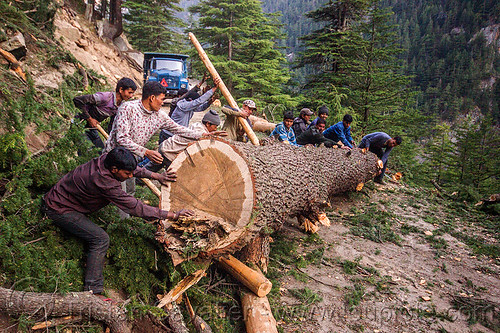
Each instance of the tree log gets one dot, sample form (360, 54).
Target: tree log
(237, 189)
(257, 313)
(257, 251)
(85, 304)
(250, 278)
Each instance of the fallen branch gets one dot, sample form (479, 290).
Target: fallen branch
(85, 304)
(56, 322)
(14, 64)
(181, 287)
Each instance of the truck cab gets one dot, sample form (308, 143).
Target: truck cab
(167, 68)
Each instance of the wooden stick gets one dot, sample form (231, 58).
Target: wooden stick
(181, 287)
(146, 181)
(56, 322)
(249, 277)
(208, 64)
(14, 64)
(199, 324)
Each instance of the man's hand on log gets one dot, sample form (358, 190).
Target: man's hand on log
(216, 82)
(216, 133)
(183, 213)
(166, 177)
(92, 122)
(154, 156)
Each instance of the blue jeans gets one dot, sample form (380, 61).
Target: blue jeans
(97, 240)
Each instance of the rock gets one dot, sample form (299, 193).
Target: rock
(15, 45)
(122, 43)
(428, 233)
(68, 31)
(426, 298)
(83, 43)
(138, 57)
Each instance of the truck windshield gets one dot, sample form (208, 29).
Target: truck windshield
(168, 64)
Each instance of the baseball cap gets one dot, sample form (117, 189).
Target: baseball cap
(306, 111)
(250, 104)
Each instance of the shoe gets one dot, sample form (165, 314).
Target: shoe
(106, 299)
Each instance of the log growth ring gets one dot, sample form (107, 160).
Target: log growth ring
(213, 177)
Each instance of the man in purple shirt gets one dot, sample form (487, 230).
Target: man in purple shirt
(92, 186)
(376, 143)
(99, 106)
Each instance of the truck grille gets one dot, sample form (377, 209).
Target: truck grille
(170, 82)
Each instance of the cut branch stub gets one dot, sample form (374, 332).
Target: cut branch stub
(237, 189)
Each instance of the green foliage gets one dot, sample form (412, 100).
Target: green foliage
(241, 42)
(306, 296)
(152, 25)
(375, 225)
(354, 296)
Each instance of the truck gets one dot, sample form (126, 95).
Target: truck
(167, 68)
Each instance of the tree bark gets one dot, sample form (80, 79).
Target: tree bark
(16, 303)
(238, 189)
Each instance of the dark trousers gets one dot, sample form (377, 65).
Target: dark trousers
(95, 238)
(93, 135)
(155, 167)
(379, 152)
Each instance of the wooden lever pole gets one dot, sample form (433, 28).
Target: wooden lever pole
(146, 181)
(208, 64)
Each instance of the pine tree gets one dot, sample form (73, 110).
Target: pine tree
(356, 52)
(151, 25)
(241, 42)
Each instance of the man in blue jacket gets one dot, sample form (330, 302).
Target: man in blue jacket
(376, 142)
(283, 132)
(341, 131)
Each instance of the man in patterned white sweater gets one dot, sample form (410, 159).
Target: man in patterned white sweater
(137, 121)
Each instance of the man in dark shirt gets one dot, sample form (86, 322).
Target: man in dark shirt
(92, 186)
(314, 135)
(376, 142)
(99, 106)
(301, 123)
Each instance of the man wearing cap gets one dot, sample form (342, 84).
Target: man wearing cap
(232, 125)
(341, 131)
(185, 106)
(301, 123)
(171, 147)
(376, 142)
(284, 131)
(322, 113)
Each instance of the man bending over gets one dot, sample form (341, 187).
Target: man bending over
(90, 187)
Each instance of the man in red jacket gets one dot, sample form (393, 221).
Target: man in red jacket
(92, 186)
